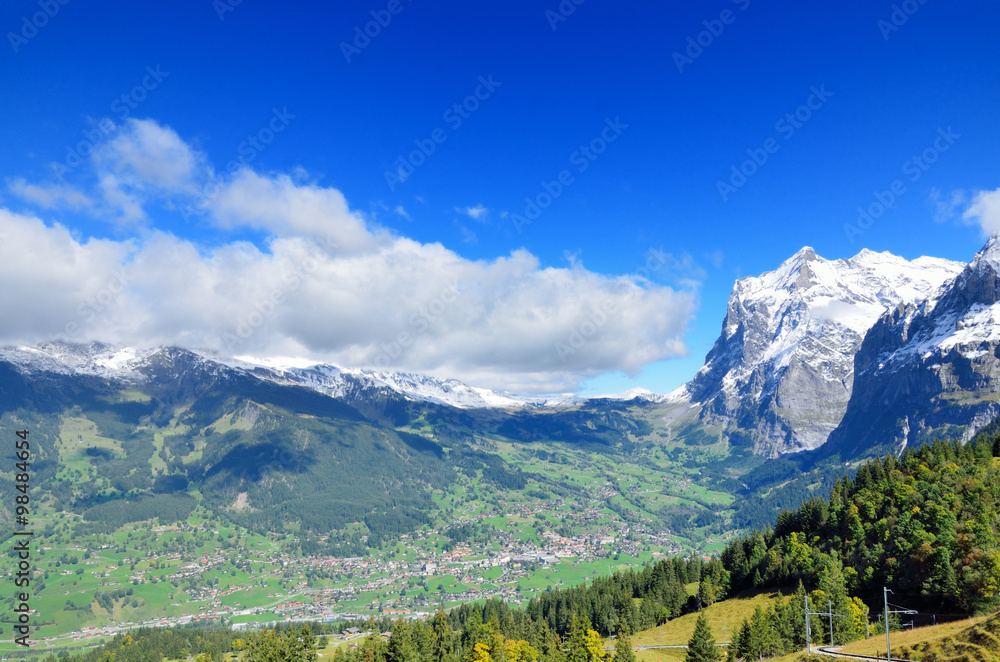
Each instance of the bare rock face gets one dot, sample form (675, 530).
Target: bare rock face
(930, 368)
(781, 374)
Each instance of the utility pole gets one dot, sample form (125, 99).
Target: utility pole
(900, 610)
(808, 647)
(829, 611)
(888, 647)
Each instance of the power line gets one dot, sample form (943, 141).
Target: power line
(898, 610)
(829, 613)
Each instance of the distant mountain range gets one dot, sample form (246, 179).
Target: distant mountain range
(873, 352)
(350, 384)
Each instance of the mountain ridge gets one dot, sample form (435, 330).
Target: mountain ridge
(930, 368)
(781, 372)
(781, 378)
(127, 363)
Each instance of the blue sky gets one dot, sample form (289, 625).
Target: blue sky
(508, 101)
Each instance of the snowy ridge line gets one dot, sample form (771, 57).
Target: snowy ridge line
(789, 340)
(121, 363)
(962, 316)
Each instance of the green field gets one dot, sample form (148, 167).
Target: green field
(723, 617)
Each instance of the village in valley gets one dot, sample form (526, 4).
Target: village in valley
(575, 516)
(209, 571)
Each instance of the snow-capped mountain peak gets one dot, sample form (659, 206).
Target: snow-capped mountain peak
(92, 358)
(929, 368)
(789, 339)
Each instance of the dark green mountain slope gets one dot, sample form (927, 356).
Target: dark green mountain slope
(260, 454)
(926, 524)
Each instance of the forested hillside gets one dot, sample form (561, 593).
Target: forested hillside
(924, 524)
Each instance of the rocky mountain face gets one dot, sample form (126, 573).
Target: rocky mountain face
(929, 368)
(781, 374)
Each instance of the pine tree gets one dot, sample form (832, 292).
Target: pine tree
(623, 647)
(442, 637)
(701, 647)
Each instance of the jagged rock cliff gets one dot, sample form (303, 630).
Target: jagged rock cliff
(929, 368)
(780, 375)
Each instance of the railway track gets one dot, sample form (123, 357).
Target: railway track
(833, 651)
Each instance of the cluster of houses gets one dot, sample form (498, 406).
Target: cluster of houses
(370, 585)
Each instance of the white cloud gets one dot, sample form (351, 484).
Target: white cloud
(477, 213)
(402, 212)
(328, 286)
(945, 206)
(52, 280)
(148, 155)
(126, 205)
(280, 206)
(50, 196)
(145, 161)
(984, 210)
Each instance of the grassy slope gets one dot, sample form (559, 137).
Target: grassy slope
(909, 644)
(662, 655)
(729, 613)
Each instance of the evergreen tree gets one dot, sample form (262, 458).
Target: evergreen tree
(441, 641)
(701, 647)
(400, 643)
(623, 647)
(583, 644)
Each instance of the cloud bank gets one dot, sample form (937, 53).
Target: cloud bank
(984, 210)
(327, 284)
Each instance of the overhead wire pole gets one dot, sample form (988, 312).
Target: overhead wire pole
(899, 610)
(808, 632)
(828, 612)
(888, 647)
